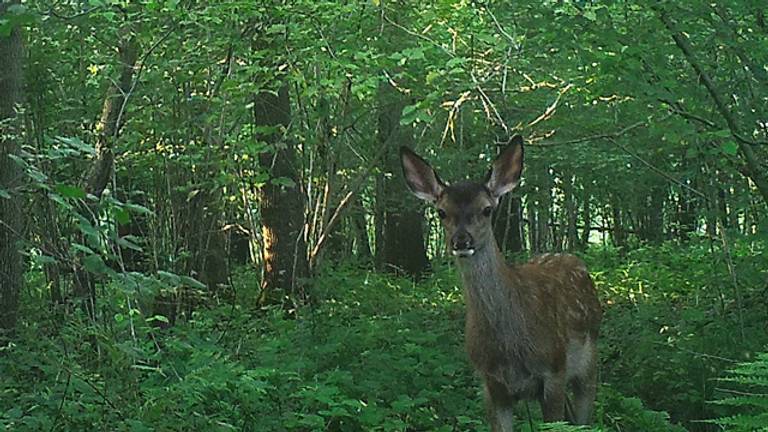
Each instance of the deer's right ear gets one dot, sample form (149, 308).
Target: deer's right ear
(421, 178)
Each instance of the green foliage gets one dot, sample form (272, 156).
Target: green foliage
(376, 353)
(609, 104)
(673, 322)
(745, 396)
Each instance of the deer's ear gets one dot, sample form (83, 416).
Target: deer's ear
(421, 178)
(506, 169)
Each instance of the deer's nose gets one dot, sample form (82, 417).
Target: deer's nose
(462, 244)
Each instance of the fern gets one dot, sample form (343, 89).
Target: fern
(746, 397)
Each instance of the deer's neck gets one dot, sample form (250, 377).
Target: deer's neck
(492, 294)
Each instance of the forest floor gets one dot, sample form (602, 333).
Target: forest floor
(379, 352)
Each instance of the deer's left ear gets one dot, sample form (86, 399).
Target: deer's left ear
(506, 169)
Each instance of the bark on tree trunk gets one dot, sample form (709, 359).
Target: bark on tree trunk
(11, 214)
(281, 204)
(112, 118)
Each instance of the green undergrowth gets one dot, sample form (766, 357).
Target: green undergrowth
(381, 353)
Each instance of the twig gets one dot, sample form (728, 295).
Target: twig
(96, 389)
(501, 29)
(417, 35)
(142, 63)
(614, 135)
(732, 273)
(550, 109)
(657, 170)
(357, 185)
(696, 353)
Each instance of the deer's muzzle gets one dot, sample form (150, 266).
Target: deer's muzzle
(462, 244)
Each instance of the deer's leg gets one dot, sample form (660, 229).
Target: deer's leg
(584, 392)
(553, 398)
(499, 405)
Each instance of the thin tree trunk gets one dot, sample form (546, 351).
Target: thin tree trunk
(572, 235)
(587, 218)
(618, 232)
(506, 225)
(360, 227)
(533, 226)
(11, 214)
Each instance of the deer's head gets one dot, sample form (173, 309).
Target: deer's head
(466, 207)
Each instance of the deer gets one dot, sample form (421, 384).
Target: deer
(531, 329)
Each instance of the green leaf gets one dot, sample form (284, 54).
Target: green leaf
(87, 228)
(77, 144)
(82, 248)
(16, 15)
(138, 209)
(730, 148)
(283, 181)
(4, 194)
(70, 191)
(94, 264)
(172, 277)
(161, 318)
(127, 242)
(44, 259)
(276, 29)
(122, 216)
(59, 200)
(192, 282)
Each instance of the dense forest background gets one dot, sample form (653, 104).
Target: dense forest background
(204, 225)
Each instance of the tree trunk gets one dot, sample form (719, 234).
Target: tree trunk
(571, 214)
(11, 214)
(110, 123)
(652, 228)
(281, 203)
(112, 118)
(587, 218)
(506, 225)
(618, 232)
(403, 247)
(533, 225)
(360, 228)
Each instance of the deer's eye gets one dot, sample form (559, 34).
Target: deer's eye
(441, 213)
(487, 211)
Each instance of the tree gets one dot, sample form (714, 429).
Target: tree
(400, 245)
(11, 201)
(281, 201)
